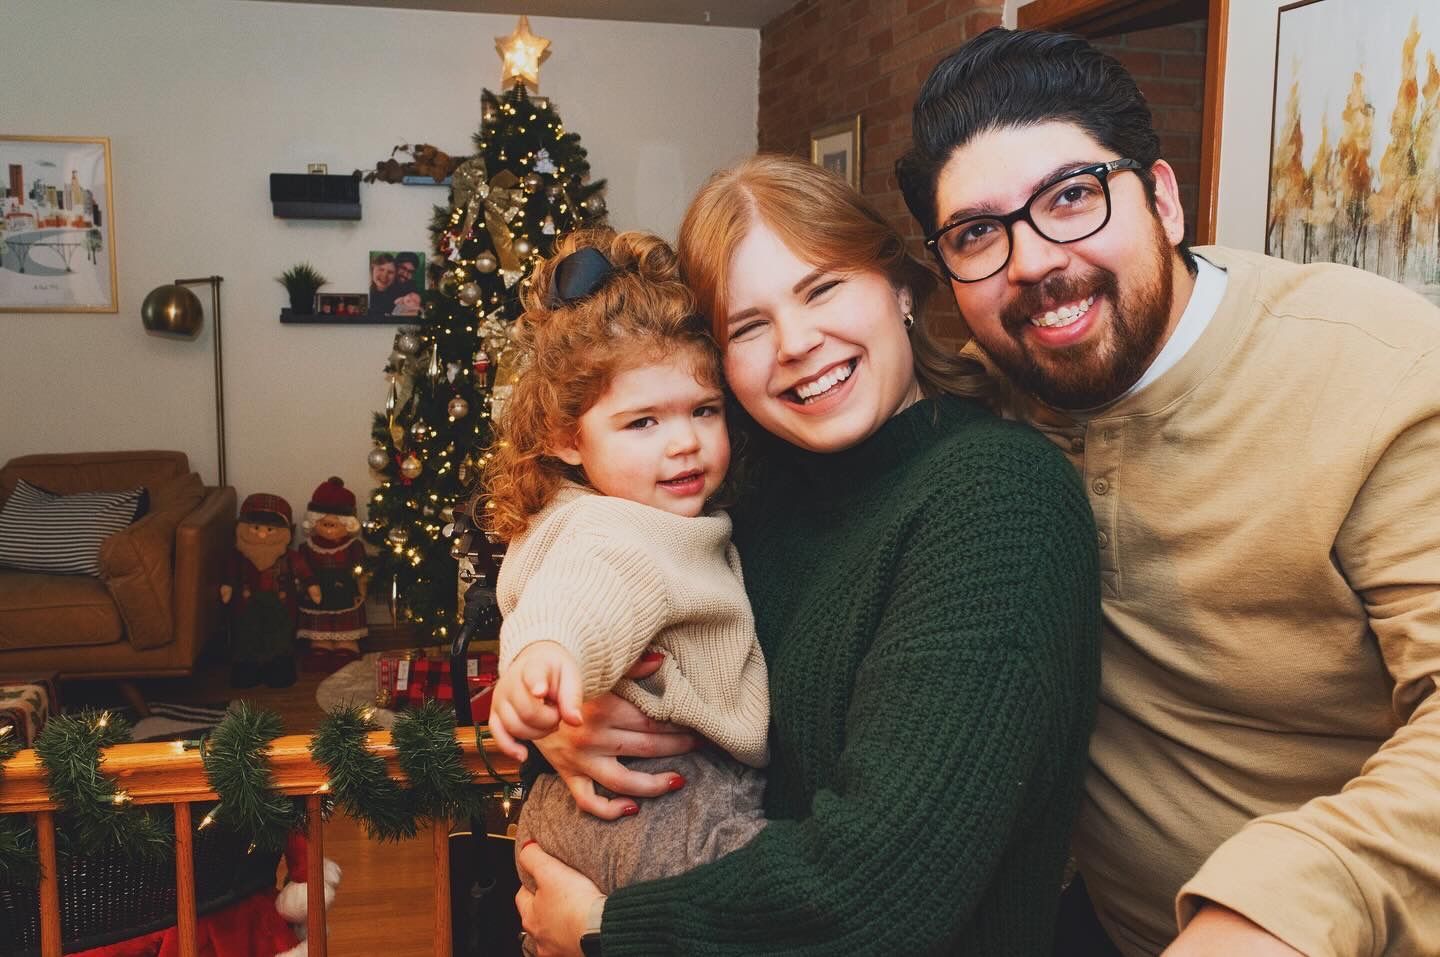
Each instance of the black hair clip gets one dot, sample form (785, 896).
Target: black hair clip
(578, 275)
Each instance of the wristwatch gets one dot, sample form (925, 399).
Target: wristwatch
(590, 940)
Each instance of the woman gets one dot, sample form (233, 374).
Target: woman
(925, 587)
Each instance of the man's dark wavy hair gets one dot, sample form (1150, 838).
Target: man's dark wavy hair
(1015, 78)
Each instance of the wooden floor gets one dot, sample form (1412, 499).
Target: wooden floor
(384, 903)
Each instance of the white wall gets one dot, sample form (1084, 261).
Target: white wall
(1245, 124)
(203, 99)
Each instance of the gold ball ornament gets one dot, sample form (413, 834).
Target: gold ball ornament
(411, 467)
(458, 408)
(469, 294)
(487, 263)
(407, 342)
(378, 459)
(523, 247)
(398, 535)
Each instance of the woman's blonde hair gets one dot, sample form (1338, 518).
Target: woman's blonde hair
(827, 224)
(641, 313)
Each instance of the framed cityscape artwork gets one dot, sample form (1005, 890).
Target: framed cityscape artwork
(1355, 138)
(57, 234)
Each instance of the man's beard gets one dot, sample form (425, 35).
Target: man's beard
(1092, 373)
(263, 554)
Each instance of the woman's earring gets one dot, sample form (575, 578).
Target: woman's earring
(909, 320)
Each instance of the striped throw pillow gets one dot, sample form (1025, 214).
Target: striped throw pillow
(61, 534)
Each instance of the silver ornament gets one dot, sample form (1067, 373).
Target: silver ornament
(469, 294)
(378, 459)
(407, 342)
(411, 467)
(458, 408)
(486, 262)
(419, 430)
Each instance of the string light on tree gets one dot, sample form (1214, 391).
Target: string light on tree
(524, 187)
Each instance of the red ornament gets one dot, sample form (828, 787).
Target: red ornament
(482, 363)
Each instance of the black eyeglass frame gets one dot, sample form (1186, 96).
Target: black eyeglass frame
(1100, 171)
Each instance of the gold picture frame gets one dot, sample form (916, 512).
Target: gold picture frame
(57, 234)
(836, 146)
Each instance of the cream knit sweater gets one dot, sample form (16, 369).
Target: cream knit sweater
(608, 578)
(1268, 515)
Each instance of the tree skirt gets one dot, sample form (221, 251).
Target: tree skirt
(354, 685)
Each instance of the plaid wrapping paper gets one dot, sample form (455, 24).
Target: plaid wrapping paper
(406, 680)
(25, 704)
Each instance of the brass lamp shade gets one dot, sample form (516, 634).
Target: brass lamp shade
(172, 311)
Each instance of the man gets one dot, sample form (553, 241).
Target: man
(1261, 445)
(405, 293)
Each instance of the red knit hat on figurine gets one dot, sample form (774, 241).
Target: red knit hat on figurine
(334, 627)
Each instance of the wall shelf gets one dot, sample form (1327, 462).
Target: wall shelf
(290, 317)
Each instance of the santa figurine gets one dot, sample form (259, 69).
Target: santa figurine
(292, 902)
(335, 624)
(261, 590)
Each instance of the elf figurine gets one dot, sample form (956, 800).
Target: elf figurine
(335, 624)
(260, 590)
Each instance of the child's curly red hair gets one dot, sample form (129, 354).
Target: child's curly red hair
(642, 313)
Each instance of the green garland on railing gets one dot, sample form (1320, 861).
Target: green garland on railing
(95, 814)
(440, 784)
(18, 863)
(234, 755)
(358, 781)
(440, 787)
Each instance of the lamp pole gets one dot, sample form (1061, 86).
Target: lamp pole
(214, 283)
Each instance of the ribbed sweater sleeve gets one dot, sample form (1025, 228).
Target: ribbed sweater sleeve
(600, 598)
(973, 698)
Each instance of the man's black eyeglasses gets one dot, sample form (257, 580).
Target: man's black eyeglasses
(1073, 207)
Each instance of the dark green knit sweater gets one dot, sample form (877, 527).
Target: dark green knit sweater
(929, 607)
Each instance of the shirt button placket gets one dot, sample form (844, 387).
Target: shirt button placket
(1102, 461)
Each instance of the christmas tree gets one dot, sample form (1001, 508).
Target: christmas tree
(525, 186)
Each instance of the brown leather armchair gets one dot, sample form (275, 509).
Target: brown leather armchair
(157, 599)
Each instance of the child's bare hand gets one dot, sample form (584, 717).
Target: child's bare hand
(540, 689)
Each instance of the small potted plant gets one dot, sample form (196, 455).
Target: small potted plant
(302, 282)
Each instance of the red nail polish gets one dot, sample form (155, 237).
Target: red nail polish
(650, 657)
(527, 844)
(676, 782)
(630, 811)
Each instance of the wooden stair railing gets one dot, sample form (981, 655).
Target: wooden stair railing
(169, 773)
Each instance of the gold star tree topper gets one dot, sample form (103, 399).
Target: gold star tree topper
(522, 52)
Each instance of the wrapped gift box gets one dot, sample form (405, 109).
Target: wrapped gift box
(25, 704)
(407, 679)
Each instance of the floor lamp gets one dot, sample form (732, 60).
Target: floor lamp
(175, 312)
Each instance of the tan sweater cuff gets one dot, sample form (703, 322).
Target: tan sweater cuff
(1290, 884)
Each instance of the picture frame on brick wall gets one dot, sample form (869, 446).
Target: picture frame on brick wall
(836, 146)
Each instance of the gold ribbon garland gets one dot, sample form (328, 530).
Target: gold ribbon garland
(500, 199)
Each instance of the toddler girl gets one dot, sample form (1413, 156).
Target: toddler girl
(607, 458)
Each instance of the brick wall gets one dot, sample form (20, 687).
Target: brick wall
(1168, 64)
(825, 60)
